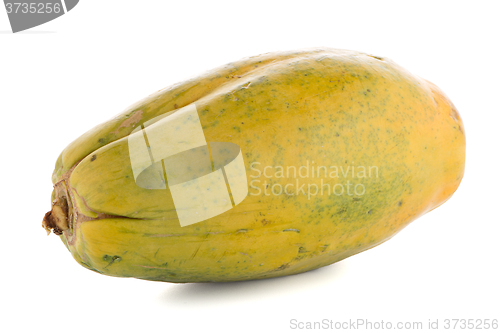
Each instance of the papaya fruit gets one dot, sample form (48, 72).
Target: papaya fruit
(272, 165)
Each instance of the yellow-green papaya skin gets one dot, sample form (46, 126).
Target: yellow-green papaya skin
(323, 106)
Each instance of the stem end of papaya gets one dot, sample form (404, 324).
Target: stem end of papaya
(57, 219)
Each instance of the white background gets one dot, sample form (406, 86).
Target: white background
(62, 78)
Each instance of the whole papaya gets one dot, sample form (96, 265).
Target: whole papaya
(268, 166)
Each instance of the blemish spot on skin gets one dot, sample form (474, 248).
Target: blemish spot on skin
(294, 230)
(375, 57)
(111, 259)
(130, 121)
(93, 158)
(282, 267)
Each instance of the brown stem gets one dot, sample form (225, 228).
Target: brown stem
(57, 219)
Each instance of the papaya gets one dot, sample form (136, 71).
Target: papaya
(272, 165)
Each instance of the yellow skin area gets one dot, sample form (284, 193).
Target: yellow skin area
(333, 107)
